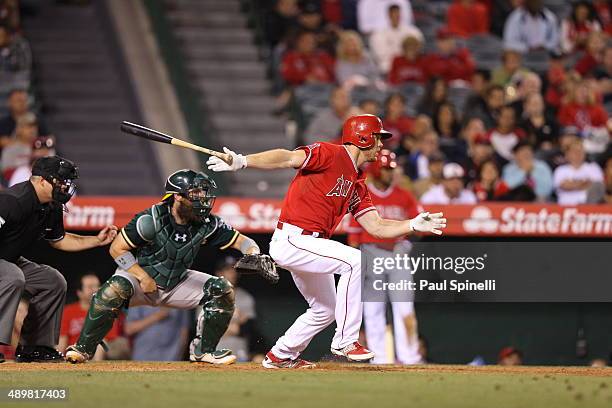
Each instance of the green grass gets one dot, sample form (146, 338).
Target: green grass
(315, 388)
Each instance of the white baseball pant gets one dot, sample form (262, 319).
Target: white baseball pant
(404, 320)
(313, 263)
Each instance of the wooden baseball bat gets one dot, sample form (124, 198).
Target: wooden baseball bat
(150, 134)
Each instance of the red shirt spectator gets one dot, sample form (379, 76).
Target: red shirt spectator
(395, 120)
(332, 11)
(409, 67)
(467, 17)
(582, 109)
(450, 63)
(594, 54)
(489, 185)
(306, 63)
(604, 12)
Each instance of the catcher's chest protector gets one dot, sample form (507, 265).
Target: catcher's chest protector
(174, 248)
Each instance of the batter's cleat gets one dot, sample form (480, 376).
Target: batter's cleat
(37, 354)
(354, 352)
(271, 361)
(222, 357)
(75, 356)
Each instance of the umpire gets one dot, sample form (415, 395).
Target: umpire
(30, 211)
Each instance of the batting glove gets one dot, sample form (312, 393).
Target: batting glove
(216, 164)
(426, 222)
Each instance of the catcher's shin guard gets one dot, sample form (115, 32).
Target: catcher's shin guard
(114, 294)
(217, 311)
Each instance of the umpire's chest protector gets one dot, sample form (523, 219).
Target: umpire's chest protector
(168, 256)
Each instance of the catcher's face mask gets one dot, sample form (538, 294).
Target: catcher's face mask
(201, 200)
(63, 182)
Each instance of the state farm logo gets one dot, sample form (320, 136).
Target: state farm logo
(259, 216)
(88, 216)
(545, 221)
(481, 220)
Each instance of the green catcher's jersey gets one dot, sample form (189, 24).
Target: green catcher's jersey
(165, 249)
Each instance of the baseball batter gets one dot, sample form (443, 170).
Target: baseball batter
(328, 185)
(154, 253)
(395, 203)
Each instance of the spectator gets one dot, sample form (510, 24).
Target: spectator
(369, 107)
(435, 94)
(505, 135)
(576, 28)
(495, 99)
(447, 127)
(593, 57)
(479, 152)
(573, 180)
(500, 11)
(242, 335)
(604, 12)
(74, 315)
(526, 84)
(583, 111)
(602, 192)
(354, 66)
(43, 146)
(280, 20)
(477, 100)
(395, 119)
(327, 123)
(373, 15)
(410, 66)
(387, 43)
(556, 76)
(311, 19)
(510, 356)
(556, 156)
(158, 333)
(509, 70)
(306, 64)
(531, 27)
(603, 74)
(15, 54)
(19, 151)
(466, 18)
(452, 189)
(418, 162)
(489, 186)
(17, 105)
(9, 14)
(421, 125)
(541, 129)
(525, 171)
(435, 165)
(449, 61)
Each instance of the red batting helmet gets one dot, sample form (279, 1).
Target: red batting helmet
(385, 160)
(360, 130)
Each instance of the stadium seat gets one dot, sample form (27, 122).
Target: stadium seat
(413, 94)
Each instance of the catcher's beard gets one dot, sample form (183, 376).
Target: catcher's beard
(185, 212)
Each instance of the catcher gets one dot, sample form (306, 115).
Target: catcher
(154, 252)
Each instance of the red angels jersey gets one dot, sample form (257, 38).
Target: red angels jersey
(326, 187)
(395, 203)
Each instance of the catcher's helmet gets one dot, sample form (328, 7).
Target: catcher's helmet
(195, 186)
(385, 160)
(361, 130)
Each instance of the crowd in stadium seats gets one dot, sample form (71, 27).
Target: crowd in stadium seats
(517, 94)
(24, 135)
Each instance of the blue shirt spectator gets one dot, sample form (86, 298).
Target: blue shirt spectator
(530, 27)
(159, 334)
(525, 170)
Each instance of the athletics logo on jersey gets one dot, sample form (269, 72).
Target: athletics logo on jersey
(341, 188)
(182, 238)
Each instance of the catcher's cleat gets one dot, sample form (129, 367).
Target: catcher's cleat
(222, 357)
(75, 356)
(354, 352)
(271, 361)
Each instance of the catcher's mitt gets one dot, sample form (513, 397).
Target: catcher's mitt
(259, 264)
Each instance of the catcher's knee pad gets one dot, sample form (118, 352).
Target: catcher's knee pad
(113, 295)
(217, 311)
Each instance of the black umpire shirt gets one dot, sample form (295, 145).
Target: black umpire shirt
(24, 220)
